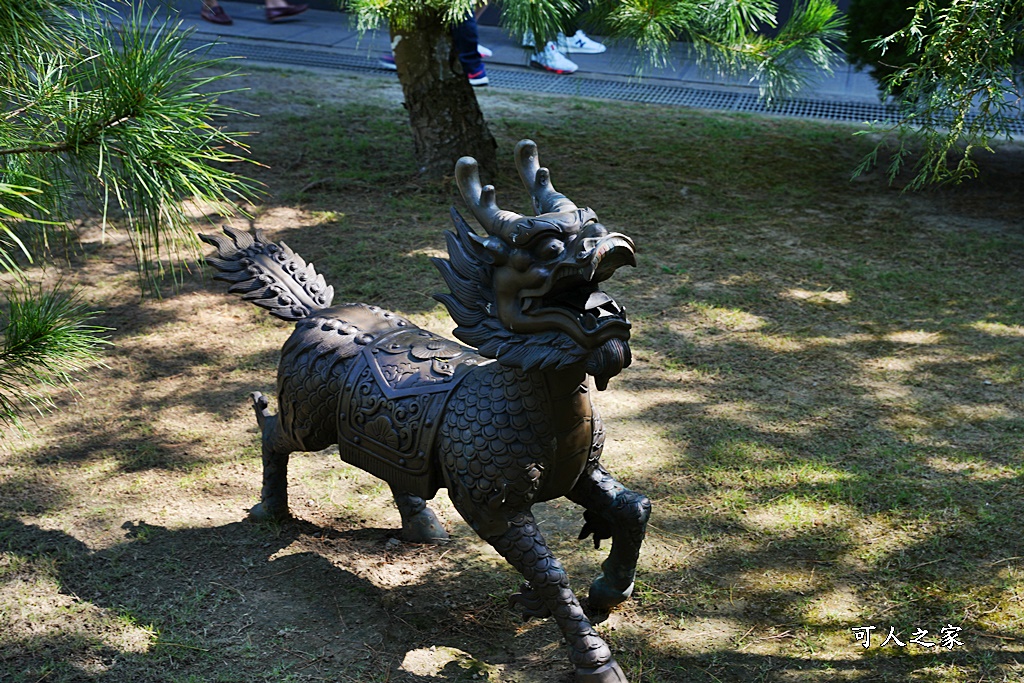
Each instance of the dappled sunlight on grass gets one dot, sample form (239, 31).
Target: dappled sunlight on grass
(442, 662)
(834, 606)
(972, 467)
(913, 337)
(824, 406)
(777, 343)
(998, 329)
(849, 339)
(739, 412)
(889, 366)
(977, 413)
(48, 614)
(732, 319)
(742, 454)
(429, 252)
(794, 514)
(824, 297)
(639, 449)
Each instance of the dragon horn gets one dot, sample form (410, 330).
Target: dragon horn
(481, 199)
(538, 181)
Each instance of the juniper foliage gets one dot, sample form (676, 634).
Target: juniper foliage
(959, 90)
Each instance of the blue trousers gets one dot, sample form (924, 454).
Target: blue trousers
(464, 40)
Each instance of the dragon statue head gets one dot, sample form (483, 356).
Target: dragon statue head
(527, 294)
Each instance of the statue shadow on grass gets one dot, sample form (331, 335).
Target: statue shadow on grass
(256, 602)
(241, 601)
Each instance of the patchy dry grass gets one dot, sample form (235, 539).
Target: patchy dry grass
(825, 406)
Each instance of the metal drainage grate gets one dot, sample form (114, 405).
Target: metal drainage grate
(581, 86)
(284, 55)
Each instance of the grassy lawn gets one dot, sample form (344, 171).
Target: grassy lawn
(826, 406)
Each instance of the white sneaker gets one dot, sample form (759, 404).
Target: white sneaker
(486, 53)
(528, 40)
(478, 78)
(580, 43)
(552, 60)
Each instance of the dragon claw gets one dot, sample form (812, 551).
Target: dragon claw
(596, 525)
(531, 602)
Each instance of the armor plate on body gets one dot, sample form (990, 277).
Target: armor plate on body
(394, 393)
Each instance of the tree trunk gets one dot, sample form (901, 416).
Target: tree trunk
(446, 119)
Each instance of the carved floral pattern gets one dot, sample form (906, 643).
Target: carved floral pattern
(394, 423)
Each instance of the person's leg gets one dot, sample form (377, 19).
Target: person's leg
(464, 42)
(484, 52)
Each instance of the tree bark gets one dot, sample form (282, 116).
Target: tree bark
(446, 119)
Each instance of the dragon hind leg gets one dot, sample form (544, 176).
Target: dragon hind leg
(273, 503)
(419, 523)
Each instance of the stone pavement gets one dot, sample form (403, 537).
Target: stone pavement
(329, 38)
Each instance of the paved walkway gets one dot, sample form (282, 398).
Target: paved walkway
(330, 39)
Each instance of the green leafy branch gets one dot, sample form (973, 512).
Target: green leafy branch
(728, 36)
(47, 339)
(959, 93)
(121, 115)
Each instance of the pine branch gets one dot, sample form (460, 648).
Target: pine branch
(122, 117)
(118, 116)
(47, 338)
(727, 36)
(65, 146)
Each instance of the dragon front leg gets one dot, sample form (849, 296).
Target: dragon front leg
(524, 548)
(612, 511)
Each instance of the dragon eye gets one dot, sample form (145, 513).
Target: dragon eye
(550, 248)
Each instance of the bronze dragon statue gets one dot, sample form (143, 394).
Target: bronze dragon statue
(502, 426)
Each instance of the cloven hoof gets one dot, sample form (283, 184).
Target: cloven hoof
(604, 596)
(259, 513)
(424, 527)
(606, 673)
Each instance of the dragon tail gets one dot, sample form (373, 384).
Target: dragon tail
(268, 274)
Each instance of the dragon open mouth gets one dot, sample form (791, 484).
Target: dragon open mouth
(592, 308)
(537, 277)
(573, 290)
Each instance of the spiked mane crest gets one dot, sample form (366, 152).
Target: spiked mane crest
(469, 270)
(471, 303)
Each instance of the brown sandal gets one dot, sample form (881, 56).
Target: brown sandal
(216, 15)
(275, 13)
